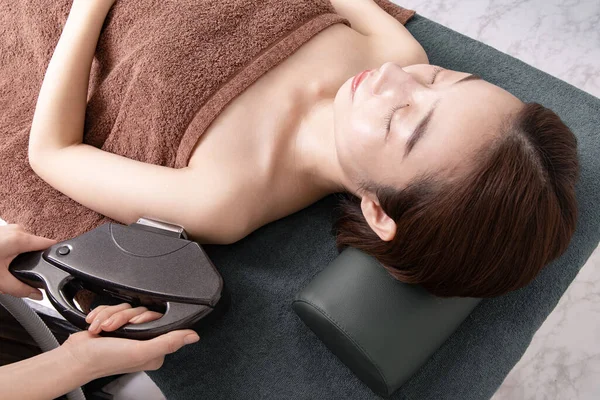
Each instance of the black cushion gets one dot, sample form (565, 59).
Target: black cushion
(382, 329)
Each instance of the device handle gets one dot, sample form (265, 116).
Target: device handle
(54, 290)
(33, 269)
(176, 316)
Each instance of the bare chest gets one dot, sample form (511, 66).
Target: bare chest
(244, 144)
(262, 115)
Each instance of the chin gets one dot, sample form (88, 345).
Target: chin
(342, 102)
(338, 97)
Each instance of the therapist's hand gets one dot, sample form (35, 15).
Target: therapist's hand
(13, 241)
(103, 356)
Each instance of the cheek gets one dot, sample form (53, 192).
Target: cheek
(357, 156)
(358, 138)
(354, 131)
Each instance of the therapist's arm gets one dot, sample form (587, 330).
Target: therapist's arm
(85, 356)
(46, 376)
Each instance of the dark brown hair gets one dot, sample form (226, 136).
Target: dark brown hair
(493, 230)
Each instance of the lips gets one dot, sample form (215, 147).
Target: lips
(358, 78)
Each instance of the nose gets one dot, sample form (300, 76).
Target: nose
(389, 76)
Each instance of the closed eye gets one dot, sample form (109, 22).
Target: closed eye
(436, 71)
(390, 115)
(388, 118)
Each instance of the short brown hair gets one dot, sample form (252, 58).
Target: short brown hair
(493, 230)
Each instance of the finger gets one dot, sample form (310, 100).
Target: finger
(146, 317)
(11, 285)
(119, 319)
(165, 344)
(29, 242)
(92, 314)
(105, 314)
(22, 242)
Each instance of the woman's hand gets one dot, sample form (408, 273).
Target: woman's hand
(86, 356)
(110, 318)
(103, 356)
(13, 241)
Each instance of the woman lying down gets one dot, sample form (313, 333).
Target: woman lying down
(453, 183)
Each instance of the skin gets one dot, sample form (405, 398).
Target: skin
(291, 138)
(294, 136)
(467, 116)
(87, 355)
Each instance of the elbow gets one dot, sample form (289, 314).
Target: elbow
(36, 145)
(423, 59)
(420, 54)
(39, 153)
(38, 157)
(34, 157)
(43, 148)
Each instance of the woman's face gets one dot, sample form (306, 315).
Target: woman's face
(393, 124)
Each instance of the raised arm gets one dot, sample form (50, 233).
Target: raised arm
(389, 36)
(115, 186)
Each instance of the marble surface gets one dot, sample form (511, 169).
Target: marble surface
(562, 38)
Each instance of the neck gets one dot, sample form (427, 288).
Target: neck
(314, 152)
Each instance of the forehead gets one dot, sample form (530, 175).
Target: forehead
(468, 116)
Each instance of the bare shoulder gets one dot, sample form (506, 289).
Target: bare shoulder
(393, 42)
(388, 40)
(393, 48)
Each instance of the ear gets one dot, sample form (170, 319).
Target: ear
(378, 220)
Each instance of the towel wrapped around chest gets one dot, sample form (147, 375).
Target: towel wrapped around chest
(163, 71)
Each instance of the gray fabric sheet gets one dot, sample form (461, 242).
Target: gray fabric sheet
(261, 350)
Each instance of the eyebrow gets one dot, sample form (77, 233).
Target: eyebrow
(419, 131)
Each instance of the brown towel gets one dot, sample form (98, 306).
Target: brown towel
(163, 71)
